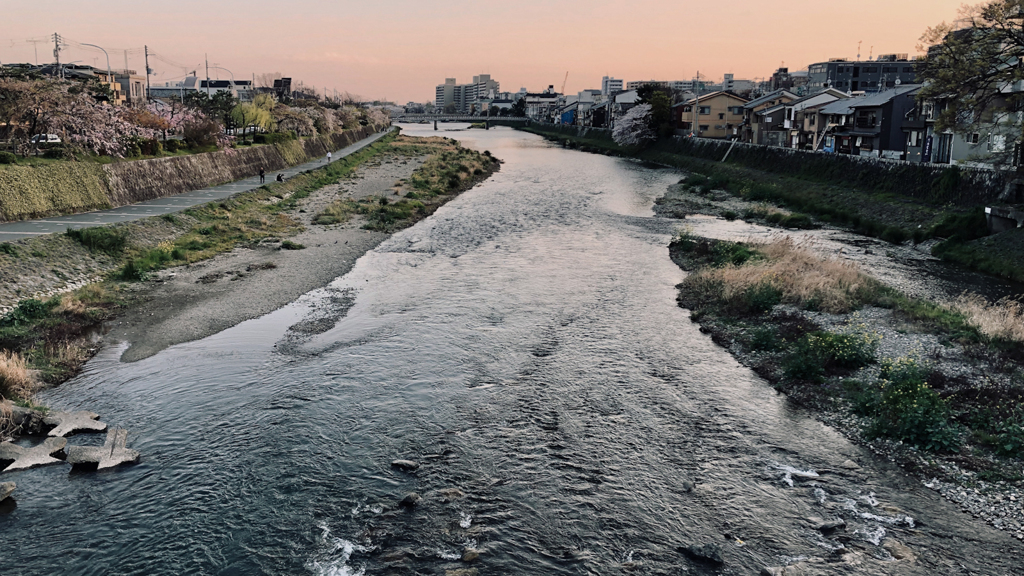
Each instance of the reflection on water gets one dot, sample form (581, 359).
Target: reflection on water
(524, 346)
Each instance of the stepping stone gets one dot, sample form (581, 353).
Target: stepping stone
(68, 422)
(112, 453)
(24, 458)
(5, 489)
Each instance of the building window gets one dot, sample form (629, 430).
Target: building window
(811, 120)
(705, 110)
(974, 138)
(703, 127)
(908, 69)
(721, 116)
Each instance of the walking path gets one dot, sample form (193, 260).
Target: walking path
(167, 205)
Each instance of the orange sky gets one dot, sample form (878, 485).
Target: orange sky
(400, 49)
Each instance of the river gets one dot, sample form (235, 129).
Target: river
(524, 346)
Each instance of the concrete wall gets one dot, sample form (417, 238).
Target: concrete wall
(67, 188)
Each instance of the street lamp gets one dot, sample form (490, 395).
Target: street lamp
(105, 54)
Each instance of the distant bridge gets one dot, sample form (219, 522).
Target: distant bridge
(456, 118)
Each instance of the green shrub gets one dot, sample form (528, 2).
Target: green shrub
(734, 253)
(1009, 437)
(729, 215)
(761, 298)
(8, 158)
(9, 249)
(764, 338)
(802, 221)
(909, 410)
(894, 235)
(289, 245)
(172, 146)
(100, 238)
(26, 312)
(151, 147)
(819, 353)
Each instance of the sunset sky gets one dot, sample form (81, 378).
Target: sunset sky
(401, 49)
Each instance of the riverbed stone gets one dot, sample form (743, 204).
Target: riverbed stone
(113, 452)
(470, 555)
(6, 488)
(829, 525)
(28, 421)
(65, 423)
(448, 495)
(462, 572)
(708, 553)
(850, 465)
(898, 550)
(23, 458)
(405, 465)
(411, 500)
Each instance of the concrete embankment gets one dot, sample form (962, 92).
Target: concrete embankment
(70, 187)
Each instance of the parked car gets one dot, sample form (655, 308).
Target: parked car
(45, 139)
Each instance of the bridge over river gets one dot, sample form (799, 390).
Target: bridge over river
(413, 118)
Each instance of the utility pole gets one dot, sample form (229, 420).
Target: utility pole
(35, 48)
(56, 50)
(147, 72)
(207, 75)
(696, 106)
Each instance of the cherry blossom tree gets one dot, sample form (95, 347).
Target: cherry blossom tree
(634, 128)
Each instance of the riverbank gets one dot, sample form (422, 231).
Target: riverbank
(957, 231)
(938, 389)
(181, 277)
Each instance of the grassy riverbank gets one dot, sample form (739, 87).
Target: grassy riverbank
(45, 340)
(945, 380)
(886, 215)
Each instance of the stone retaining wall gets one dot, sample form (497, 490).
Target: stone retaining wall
(930, 182)
(70, 191)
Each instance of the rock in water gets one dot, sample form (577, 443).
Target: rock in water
(709, 553)
(65, 423)
(113, 452)
(6, 488)
(830, 525)
(405, 465)
(410, 501)
(470, 555)
(41, 455)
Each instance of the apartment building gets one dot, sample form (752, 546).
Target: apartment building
(466, 98)
(884, 72)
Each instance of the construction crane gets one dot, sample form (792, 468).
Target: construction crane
(564, 81)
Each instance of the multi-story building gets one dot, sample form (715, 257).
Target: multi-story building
(755, 124)
(466, 98)
(609, 85)
(714, 115)
(884, 72)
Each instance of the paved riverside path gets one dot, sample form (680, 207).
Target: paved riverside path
(29, 228)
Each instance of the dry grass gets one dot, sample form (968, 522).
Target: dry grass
(16, 380)
(1003, 320)
(803, 278)
(70, 304)
(7, 427)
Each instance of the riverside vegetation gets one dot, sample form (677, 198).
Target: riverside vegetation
(813, 327)
(960, 230)
(43, 342)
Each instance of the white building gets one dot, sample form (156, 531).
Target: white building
(609, 85)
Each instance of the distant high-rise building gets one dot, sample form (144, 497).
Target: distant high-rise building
(609, 85)
(466, 98)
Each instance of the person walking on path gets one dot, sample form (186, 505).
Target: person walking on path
(328, 156)
(263, 175)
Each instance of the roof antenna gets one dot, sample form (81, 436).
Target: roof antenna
(859, 42)
(871, 53)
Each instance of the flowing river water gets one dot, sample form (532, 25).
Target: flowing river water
(524, 346)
